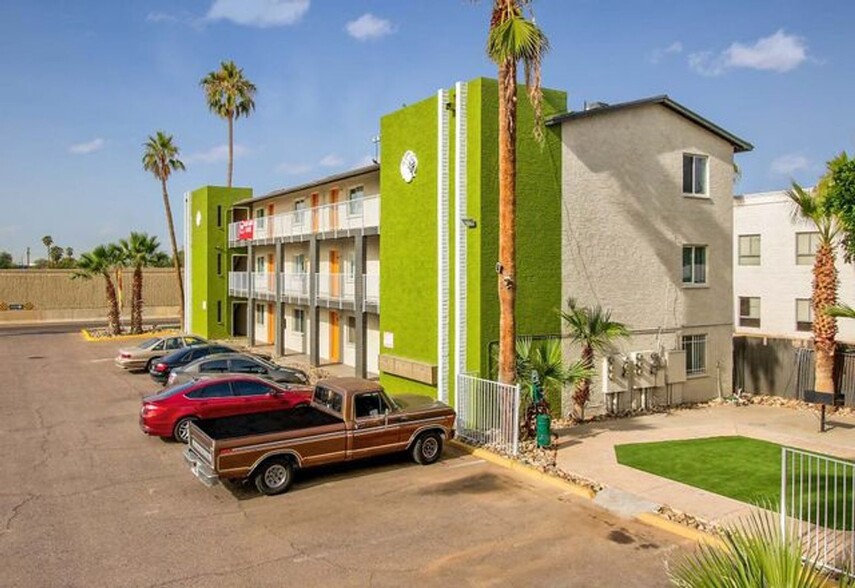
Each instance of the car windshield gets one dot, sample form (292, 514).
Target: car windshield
(148, 343)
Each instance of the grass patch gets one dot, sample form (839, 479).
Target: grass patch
(748, 470)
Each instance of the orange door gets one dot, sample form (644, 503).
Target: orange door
(334, 338)
(271, 322)
(315, 202)
(333, 209)
(335, 289)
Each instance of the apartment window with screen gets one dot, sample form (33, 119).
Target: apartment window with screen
(695, 347)
(749, 249)
(219, 311)
(749, 311)
(219, 215)
(351, 330)
(299, 321)
(219, 264)
(806, 246)
(260, 313)
(804, 315)
(695, 174)
(354, 201)
(694, 264)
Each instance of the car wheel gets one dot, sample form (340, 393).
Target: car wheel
(181, 431)
(428, 448)
(274, 476)
(148, 364)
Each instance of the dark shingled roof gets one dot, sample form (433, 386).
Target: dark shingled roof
(739, 145)
(329, 179)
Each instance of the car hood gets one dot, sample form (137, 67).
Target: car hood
(413, 402)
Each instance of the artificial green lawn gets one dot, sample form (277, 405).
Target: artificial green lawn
(745, 469)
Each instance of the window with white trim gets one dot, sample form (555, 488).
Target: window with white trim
(806, 246)
(299, 207)
(695, 347)
(695, 174)
(749, 311)
(260, 314)
(749, 249)
(354, 201)
(350, 267)
(350, 336)
(299, 320)
(694, 264)
(804, 315)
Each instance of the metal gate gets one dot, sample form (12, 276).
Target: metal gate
(818, 506)
(488, 413)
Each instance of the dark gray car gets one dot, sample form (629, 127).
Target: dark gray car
(237, 363)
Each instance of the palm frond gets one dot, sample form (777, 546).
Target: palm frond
(841, 311)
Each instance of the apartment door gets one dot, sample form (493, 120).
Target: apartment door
(335, 274)
(335, 337)
(316, 201)
(334, 209)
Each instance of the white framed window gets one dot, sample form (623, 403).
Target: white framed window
(260, 264)
(299, 264)
(260, 314)
(299, 207)
(804, 315)
(695, 174)
(259, 213)
(749, 249)
(694, 265)
(806, 246)
(354, 201)
(350, 267)
(749, 311)
(695, 347)
(350, 335)
(299, 320)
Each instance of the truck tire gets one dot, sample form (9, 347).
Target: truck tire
(181, 430)
(428, 448)
(274, 476)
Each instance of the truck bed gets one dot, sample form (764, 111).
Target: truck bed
(261, 423)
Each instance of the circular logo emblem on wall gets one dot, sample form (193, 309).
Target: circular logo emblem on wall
(409, 165)
(198, 218)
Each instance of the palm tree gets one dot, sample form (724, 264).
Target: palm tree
(594, 329)
(101, 261)
(55, 255)
(810, 205)
(229, 95)
(546, 360)
(140, 250)
(69, 252)
(512, 39)
(161, 159)
(47, 241)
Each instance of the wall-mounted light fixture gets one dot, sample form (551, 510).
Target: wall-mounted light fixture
(469, 223)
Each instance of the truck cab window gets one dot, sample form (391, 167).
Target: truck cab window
(369, 405)
(328, 399)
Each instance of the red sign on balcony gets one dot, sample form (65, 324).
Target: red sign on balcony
(245, 230)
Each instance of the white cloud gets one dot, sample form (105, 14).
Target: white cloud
(293, 169)
(161, 17)
(657, 54)
(368, 27)
(87, 147)
(331, 160)
(259, 13)
(789, 164)
(217, 154)
(778, 52)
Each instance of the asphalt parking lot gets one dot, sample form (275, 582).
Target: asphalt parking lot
(87, 500)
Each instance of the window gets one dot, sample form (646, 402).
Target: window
(354, 201)
(806, 246)
(259, 213)
(219, 215)
(260, 264)
(259, 314)
(804, 314)
(299, 321)
(247, 388)
(287, 376)
(220, 311)
(351, 330)
(695, 174)
(749, 249)
(369, 405)
(213, 390)
(299, 264)
(247, 366)
(328, 398)
(174, 343)
(749, 311)
(694, 264)
(299, 207)
(159, 347)
(695, 347)
(219, 264)
(216, 366)
(350, 267)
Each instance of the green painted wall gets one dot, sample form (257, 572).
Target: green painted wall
(208, 240)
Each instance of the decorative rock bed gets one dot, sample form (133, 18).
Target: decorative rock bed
(102, 333)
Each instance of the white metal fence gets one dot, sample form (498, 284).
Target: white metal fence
(818, 505)
(488, 413)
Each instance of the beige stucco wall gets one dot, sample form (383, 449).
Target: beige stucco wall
(625, 221)
(53, 295)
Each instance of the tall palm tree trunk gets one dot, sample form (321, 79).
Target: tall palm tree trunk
(824, 326)
(175, 259)
(231, 150)
(583, 386)
(114, 325)
(137, 301)
(507, 218)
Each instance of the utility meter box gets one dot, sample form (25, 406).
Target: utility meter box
(615, 374)
(675, 366)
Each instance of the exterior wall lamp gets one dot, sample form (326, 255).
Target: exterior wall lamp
(469, 223)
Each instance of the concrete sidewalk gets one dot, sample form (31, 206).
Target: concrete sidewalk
(588, 450)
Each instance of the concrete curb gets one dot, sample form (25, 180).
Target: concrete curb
(652, 519)
(87, 336)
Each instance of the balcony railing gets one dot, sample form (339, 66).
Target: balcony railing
(295, 284)
(329, 218)
(239, 283)
(264, 283)
(336, 289)
(371, 289)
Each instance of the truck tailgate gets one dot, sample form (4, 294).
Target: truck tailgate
(200, 455)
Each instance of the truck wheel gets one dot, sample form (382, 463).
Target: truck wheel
(274, 476)
(181, 431)
(428, 448)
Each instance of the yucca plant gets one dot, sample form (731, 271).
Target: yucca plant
(545, 358)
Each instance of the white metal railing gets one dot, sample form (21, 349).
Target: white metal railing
(818, 506)
(342, 216)
(335, 287)
(371, 289)
(264, 283)
(239, 283)
(295, 284)
(488, 413)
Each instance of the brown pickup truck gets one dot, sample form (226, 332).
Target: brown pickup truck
(348, 418)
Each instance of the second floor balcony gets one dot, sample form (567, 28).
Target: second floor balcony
(332, 220)
(331, 290)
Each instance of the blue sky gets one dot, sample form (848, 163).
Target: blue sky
(87, 81)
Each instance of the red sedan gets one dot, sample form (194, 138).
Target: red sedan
(169, 413)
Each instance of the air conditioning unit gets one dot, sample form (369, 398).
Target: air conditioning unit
(675, 366)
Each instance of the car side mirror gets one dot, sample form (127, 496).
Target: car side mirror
(275, 392)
